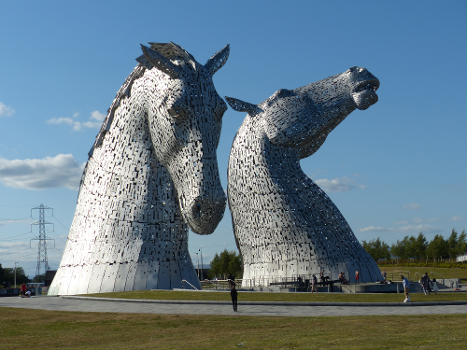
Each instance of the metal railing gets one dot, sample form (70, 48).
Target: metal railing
(279, 281)
(192, 286)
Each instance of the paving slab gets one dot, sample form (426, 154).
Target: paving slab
(224, 308)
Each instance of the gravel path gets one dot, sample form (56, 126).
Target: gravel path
(223, 308)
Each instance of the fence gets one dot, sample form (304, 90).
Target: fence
(283, 282)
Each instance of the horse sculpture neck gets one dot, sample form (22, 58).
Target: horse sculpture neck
(134, 228)
(125, 140)
(285, 225)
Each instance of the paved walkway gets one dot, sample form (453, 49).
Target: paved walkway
(86, 304)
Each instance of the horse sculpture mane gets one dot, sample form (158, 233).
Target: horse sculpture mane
(285, 226)
(151, 173)
(168, 50)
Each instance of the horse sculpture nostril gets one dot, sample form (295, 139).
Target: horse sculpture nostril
(204, 209)
(204, 214)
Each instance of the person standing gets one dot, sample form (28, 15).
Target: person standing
(385, 276)
(322, 278)
(23, 290)
(233, 292)
(405, 285)
(434, 285)
(314, 282)
(357, 276)
(425, 281)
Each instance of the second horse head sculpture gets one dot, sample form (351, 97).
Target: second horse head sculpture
(285, 226)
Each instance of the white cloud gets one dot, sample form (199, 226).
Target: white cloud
(411, 206)
(456, 218)
(342, 184)
(416, 228)
(94, 121)
(5, 246)
(375, 229)
(49, 172)
(413, 227)
(402, 222)
(14, 221)
(25, 254)
(96, 115)
(91, 124)
(61, 120)
(5, 110)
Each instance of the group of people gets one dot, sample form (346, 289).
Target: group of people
(24, 292)
(428, 286)
(326, 280)
(341, 278)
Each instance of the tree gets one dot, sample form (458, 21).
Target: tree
(410, 247)
(452, 245)
(398, 249)
(438, 248)
(419, 249)
(377, 249)
(2, 273)
(226, 263)
(461, 245)
(7, 276)
(39, 278)
(420, 246)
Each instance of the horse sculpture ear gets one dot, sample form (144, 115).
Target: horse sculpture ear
(242, 106)
(217, 60)
(152, 58)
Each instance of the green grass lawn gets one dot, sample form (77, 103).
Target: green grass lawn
(297, 297)
(39, 329)
(414, 273)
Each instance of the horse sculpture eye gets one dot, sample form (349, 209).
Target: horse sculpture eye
(177, 111)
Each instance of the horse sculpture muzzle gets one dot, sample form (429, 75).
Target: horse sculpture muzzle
(205, 212)
(364, 88)
(201, 197)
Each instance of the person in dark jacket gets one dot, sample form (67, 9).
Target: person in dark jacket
(233, 292)
(425, 282)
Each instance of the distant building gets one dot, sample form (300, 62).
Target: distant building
(461, 258)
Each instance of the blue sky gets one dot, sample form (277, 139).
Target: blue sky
(395, 169)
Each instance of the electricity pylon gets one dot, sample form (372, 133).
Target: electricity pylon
(42, 238)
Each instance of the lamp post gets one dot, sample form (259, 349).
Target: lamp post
(201, 253)
(197, 262)
(15, 272)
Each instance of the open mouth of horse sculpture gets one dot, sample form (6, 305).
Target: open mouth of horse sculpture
(364, 93)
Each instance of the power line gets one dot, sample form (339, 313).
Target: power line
(14, 221)
(4, 236)
(61, 223)
(14, 238)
